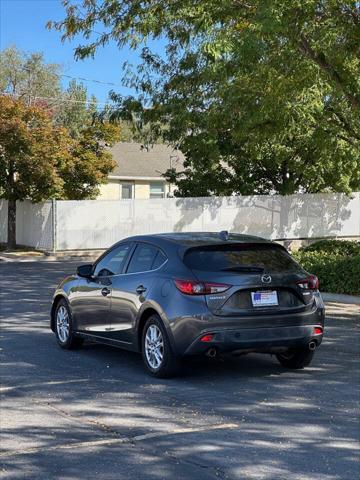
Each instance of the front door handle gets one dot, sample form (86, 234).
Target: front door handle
(105, 291)
(141, 289)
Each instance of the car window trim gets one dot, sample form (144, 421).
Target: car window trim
(157, 253)
(107, 252)
(151, 269)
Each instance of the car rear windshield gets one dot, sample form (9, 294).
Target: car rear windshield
(237, 258)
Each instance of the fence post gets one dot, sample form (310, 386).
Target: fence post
(54, 225)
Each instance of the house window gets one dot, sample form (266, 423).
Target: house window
(157, 190)
(127, 190)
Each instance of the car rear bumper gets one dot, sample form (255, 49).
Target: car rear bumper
(256, 339)
(263, 331)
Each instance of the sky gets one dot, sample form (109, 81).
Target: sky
(22, 23)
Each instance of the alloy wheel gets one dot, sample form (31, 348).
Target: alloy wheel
(154, 346)
(62, 324)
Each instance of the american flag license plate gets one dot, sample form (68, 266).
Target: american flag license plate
(264, 298)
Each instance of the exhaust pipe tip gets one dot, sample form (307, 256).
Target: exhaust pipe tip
(212, 352)
(312, 345)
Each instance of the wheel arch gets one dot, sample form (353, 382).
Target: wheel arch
(145, 315)
(57, 298)
(148, 309)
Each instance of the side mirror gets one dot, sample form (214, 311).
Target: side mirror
(85, 270)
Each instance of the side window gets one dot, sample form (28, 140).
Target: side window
(113, 262)
(142, 259)
(157, 189)
(159, 260)
(127, 190)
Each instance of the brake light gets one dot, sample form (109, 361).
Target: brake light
(207, 338)
(190, 287)
(318, 331)
(309, 283)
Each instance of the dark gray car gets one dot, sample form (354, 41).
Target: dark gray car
(181, 294)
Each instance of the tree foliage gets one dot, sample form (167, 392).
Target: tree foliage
(260, 96)
(74, 110)
(39, 160)
(90, 162)
(27, 76)
(32, 152)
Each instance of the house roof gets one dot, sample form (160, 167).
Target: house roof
(135, 160)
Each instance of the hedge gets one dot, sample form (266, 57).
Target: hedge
(336, 263)
(334, 247)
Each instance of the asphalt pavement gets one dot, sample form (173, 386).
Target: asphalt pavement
(95, 413)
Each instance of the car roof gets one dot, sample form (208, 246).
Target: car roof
(195, 239)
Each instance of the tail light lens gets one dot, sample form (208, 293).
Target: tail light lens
(207, 338)
(309, 283)
(190, 287)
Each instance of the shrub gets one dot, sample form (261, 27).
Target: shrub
(336, 263)
(334, 247)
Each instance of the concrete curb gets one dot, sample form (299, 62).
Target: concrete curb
(45, 258)
(76, 253)
(35, 255)
(10, 256)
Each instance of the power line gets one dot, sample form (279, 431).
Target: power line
(83, 79)
(90, 80)
(59, 99)
(69, 100)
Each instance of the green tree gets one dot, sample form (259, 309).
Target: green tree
(32, 152)
(90, 162)
(40, 161)
(134, 127)
(260, 96)
(75, 111)
(27, 76)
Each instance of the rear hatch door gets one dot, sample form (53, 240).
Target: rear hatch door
(262, 279)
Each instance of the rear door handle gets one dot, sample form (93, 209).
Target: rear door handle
(141, 289)
(105, 291)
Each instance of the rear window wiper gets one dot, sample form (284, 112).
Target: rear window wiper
(242, 268)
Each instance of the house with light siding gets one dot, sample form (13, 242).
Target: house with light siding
(139, 169)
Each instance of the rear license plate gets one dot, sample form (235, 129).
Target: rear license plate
(264, 298)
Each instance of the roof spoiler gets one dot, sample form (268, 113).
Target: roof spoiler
(224, 235)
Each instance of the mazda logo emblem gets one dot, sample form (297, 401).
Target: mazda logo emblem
(266, 278)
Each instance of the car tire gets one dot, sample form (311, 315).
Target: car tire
(296, 358)
(64, 332)
(158, 356)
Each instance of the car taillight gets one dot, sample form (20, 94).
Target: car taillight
(309, 283)
(191, 287)
(318, 331)
(207, 338)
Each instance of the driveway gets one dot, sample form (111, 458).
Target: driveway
(94, 413)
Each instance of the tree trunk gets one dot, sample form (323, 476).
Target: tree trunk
(11, 242)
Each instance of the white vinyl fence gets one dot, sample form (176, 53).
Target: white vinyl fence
(97, 224)
(34, 224)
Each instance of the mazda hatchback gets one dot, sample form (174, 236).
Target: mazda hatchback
(176, 295)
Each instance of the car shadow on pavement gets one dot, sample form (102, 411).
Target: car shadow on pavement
(97, 392)
(90, 413)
